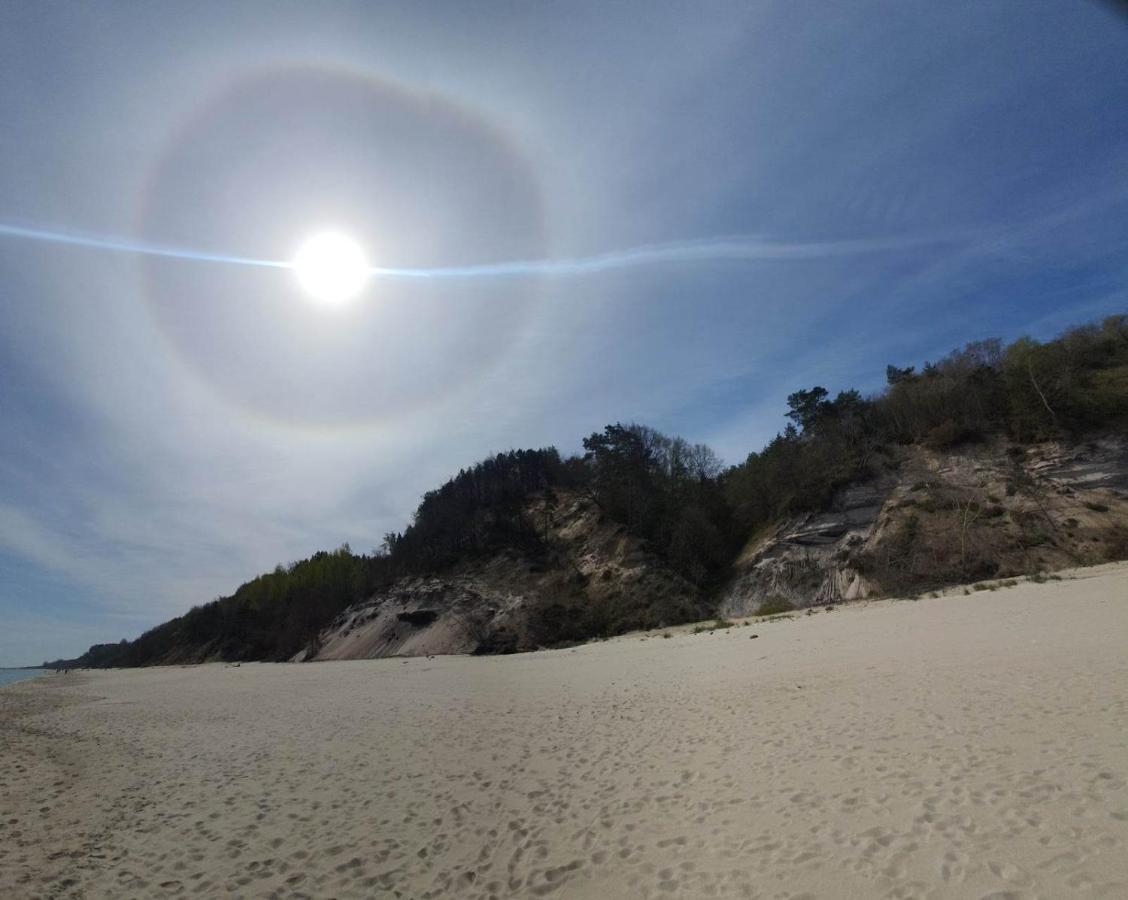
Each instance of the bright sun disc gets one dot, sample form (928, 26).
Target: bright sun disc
(331, 267)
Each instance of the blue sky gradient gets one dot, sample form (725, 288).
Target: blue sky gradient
(173, 427)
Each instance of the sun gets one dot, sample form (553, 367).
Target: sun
(331, 267)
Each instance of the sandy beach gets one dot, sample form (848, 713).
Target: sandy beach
(961, 746)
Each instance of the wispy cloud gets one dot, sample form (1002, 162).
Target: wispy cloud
(733, 248)
(708, 212)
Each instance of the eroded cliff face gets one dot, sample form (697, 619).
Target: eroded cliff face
(416, 617)
(806, 559)
(593, 570)
(941, 518)
(930, 519)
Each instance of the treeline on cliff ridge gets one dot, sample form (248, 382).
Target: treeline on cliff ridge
(690, 511)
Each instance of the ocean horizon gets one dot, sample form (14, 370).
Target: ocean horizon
(11, 676)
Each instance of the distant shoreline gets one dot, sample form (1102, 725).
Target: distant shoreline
(23, 673)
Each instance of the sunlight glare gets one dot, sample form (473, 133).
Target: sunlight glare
(331, 267)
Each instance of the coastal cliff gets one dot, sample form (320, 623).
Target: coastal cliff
(931, 520)
(935, 519)
(594, 577)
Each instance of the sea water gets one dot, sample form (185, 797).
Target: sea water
(11, 676)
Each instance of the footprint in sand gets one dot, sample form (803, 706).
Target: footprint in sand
(1010, 872)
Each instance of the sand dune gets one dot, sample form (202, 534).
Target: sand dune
(966, 746)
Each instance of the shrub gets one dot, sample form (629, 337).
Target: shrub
(947, 434)
(773, 606)
(1116, 545)
(713, 626)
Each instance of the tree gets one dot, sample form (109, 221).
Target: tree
(893, 375)
(806, 407)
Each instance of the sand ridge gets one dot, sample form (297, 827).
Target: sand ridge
(965, 746)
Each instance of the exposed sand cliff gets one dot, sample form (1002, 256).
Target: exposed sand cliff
(942, 518)
(500, 604)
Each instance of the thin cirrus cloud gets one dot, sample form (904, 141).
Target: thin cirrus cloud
(574, 216)
(732, 248)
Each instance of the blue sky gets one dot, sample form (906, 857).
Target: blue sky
(896, 177)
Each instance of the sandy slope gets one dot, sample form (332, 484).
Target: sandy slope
(967, 746)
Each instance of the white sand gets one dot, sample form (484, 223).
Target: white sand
(957, 747)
